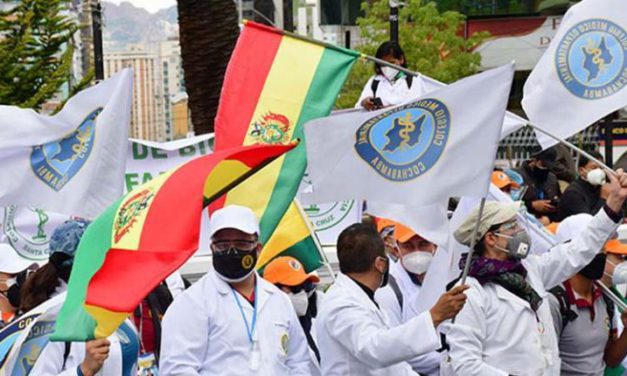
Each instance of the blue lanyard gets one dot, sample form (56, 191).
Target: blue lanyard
(250, 330)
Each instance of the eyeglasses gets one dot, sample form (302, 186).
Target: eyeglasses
(307, 286)
(235, 245)
(513, 225)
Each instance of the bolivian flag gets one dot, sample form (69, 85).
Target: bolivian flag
(144, 237)
(273, 85)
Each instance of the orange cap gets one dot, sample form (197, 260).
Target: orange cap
(501, 180)
(403, 233)
(616, 246)
(383, 223)
(287, 271)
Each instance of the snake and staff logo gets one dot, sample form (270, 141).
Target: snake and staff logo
(405, 142)
(57, 162)
(591, 59)
(28, 231)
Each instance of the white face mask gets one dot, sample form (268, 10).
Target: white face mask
(300, 302)
(596, 176)
(417, 262)
(389, 73)
(10, 281)
(620, 273)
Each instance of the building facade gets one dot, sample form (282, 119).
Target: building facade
(147, 116)
(172, 82)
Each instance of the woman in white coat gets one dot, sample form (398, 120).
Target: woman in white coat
(389, 86)
(113, 356)
(506, 326)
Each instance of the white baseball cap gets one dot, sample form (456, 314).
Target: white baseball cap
(235, 217)
(11, 262)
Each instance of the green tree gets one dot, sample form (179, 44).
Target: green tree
(432, 42)
(35, 50)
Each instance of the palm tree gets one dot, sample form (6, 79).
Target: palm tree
(208, 31)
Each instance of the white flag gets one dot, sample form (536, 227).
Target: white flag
(423, 152)
(583, 74)
(511, 122)
(72, 162)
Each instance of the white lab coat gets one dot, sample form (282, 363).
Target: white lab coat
(427, 364)
(497, 333)
(204, 333)
(355, 338)
(50, 361)
(392, 94)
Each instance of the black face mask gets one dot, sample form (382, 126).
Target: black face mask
(594, 270)
(234, 265)
(540, 174)
(13, 293)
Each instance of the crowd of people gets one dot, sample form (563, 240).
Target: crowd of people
(515, 314)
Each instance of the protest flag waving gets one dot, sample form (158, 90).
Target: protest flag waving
(582, 76)
(273, 85)
(72, 162)
(416, 154)
(145, 236)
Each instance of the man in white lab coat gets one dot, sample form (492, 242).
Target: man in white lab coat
(232, 322)
(506, 326)
(403, 289)
(354, 335)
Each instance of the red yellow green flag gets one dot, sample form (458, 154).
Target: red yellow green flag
(273, 85)
(144, 237)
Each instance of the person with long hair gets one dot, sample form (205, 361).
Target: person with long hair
(389, 86)
(113, 356)
(51, 279)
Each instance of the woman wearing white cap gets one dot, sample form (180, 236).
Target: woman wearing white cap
(233, 322)
(506, 327)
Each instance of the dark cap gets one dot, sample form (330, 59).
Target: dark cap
(548, 157)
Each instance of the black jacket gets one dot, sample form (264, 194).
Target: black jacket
(538, 190)
(580, 197)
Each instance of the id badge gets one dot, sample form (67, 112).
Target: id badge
(147, 365)
(255, 356)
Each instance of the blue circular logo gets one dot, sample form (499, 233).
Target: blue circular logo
(404, 143)
(591, 59)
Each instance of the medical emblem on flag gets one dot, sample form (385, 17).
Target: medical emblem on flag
(57, 162)
(271, 129)
(406, 142)
(28, 231)
(591, 59)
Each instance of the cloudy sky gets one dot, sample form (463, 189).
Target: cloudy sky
(150, 5)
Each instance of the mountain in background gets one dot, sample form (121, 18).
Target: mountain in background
(126, 25)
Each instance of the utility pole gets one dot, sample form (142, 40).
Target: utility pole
(96, 25)
(394, 4)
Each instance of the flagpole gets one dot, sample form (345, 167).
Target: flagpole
(473, 241)
(573, 147)
(619, 302)
(334, 47)
(315, 238)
